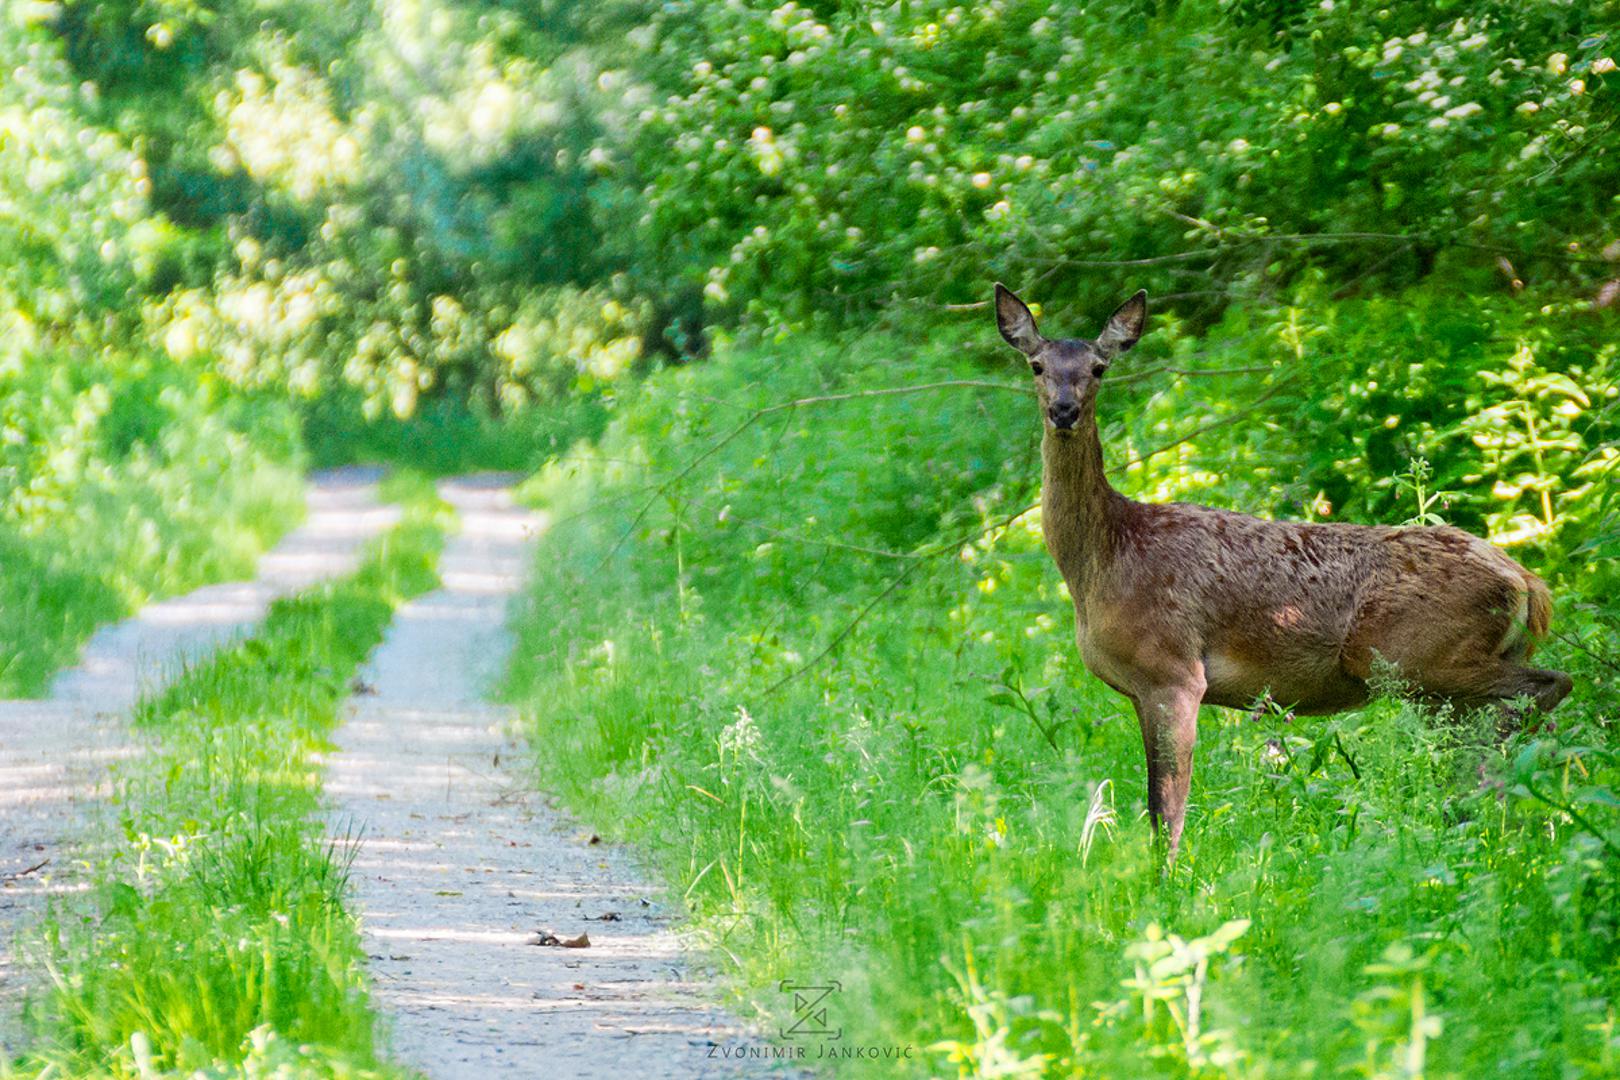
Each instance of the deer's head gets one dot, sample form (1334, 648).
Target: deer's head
(1068, 370)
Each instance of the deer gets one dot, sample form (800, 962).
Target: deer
(1178, 605)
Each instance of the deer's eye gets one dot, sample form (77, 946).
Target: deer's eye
(1097, 370)
(1037, 367)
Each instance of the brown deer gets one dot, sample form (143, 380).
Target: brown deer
(1179, 605)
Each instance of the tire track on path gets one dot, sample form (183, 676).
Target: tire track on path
(55, 753)
(459, 863)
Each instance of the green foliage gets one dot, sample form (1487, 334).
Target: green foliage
(446, 199)
(801, 160)
(1513, 406)
(374, 200)
(444, 438)
(946, 815)
(215, 937)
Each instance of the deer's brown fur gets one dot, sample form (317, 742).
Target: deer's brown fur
(1179, 605)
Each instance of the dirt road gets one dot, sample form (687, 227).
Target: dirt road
(462, 865)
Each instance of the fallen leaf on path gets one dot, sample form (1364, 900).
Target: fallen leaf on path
(607, 916)
(549, 938)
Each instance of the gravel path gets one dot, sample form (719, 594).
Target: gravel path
(55, 753)
(460, 864)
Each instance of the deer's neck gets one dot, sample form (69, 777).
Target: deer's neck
(1077, 505)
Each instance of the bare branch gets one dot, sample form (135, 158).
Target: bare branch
(1242, 414)
(898, 580)
(1188, 373)
(1606, 661)
(894, 583)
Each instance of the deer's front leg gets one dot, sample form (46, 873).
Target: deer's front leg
(1169, 719)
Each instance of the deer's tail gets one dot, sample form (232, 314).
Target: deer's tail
(1538, 611)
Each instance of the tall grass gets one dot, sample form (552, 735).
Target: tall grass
(215, 935)
(946, 814)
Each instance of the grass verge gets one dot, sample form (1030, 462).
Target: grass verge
(153, 524)
(215, 937)
(945, 814)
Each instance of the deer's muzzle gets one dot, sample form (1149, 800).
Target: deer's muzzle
(1064, 414)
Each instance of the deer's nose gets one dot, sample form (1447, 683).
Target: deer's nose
(1064, 414)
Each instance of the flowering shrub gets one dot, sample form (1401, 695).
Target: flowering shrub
(794, 161)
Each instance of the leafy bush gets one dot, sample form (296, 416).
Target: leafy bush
(464, 201)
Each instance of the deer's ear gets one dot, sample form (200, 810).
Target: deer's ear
(1016, 323)
(1124, 326)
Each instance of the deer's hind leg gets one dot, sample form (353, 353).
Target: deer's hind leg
(1544, 687)
(1468, 649)
(1467, 682)
(1471, 682)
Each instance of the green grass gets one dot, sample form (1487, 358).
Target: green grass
(215, 936)
(1381, 893)
(150, 525)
